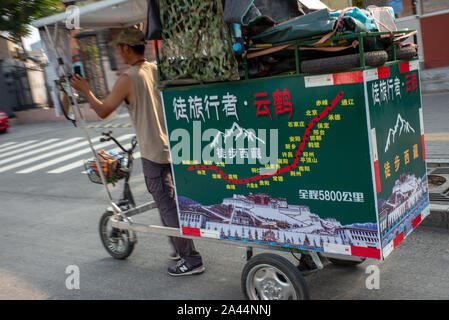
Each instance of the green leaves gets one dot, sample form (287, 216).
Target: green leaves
(17, 15)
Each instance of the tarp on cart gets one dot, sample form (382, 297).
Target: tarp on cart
(247, 11)
(302, 27)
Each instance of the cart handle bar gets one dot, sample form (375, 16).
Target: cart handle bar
(108, 136)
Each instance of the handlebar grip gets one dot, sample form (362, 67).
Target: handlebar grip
(107, 134)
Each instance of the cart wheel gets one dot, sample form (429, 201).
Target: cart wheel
(271, 277)
(346, 263)
(118, 243)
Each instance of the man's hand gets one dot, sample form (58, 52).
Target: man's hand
(122, 89)
(79, 83)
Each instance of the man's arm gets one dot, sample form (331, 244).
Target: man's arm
(121, 91)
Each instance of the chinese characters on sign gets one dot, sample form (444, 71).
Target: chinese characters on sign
(243, 153)
(281, 102)
(203, 108)
(197, 108)
(331, 195)
(412, 82)
(397, 161)
(386, 90)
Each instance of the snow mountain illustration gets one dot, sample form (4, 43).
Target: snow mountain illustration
(237, 131)
(402, 126)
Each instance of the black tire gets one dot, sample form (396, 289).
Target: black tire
(340, 63)
(346, 263)
(282, 281)
(3, 131)
(118, 243)
(403, 53)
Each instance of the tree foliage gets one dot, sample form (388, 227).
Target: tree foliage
(17, 15)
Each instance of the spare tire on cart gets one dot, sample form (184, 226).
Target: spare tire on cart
(340, 63)
(402, 53)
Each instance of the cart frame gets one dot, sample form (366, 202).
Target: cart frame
(122, 219)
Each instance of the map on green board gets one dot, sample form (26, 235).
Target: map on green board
(284, 161)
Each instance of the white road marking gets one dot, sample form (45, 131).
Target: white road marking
(73, 155)
(40, 150)
(46, 155)
(10, 153)
(125, 115)
(18, 145)
(7, 144)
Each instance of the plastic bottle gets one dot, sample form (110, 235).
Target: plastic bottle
(238, 43)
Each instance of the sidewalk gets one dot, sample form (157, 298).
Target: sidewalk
(436, 128)
(435, 80)
(436, 125)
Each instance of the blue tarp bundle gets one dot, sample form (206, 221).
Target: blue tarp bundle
(362, 15)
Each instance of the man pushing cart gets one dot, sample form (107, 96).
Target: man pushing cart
(290, 128)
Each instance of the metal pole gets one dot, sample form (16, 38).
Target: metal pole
(83, 126)
(297, 59)
(156, 50)
(361, 51)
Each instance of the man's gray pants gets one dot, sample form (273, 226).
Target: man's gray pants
(159, 181)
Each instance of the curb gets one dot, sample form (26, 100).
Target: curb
(13, 122)
(438, 217)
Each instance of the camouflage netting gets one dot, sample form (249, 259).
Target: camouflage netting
(196, 43)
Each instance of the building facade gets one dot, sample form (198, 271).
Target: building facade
(7, 49)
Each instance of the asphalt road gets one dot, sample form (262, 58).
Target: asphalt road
(49, 221)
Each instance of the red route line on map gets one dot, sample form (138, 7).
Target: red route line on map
(288, 167)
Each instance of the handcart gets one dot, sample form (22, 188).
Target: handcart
(327, 164)
(346, 179)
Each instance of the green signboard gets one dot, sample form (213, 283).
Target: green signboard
(285, 161)
(393, 97)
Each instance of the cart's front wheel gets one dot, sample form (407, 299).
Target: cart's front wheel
(271, 277)
(118, 243)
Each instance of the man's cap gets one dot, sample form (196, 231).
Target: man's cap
(130, 36)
